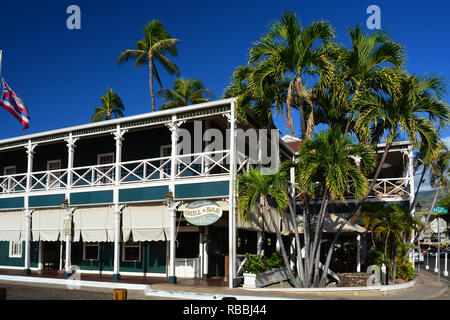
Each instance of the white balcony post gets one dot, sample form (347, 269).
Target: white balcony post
(118, 136)
(68, 238)
(70, 142)
(41, 256)
(411, 197)
(172, 205)
(30, 156)
(232, 210)
(358, 253)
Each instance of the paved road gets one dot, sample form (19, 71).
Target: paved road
(431, 264)
(19, 291)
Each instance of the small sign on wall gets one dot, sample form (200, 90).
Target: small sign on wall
(202, 212)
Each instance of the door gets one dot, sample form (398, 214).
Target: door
(52, 178)
(165, 151)
(51, 255)
(107, 172)
(7, 183)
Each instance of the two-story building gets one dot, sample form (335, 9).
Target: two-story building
(108, 197)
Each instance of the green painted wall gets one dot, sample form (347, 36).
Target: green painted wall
(53, 200)
(199, 190)
(5, 260)
(12, 203)
(153, 258)
(141, 194)
(91, 197)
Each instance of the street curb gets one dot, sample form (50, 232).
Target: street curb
(381, 288)
(78, 284)
(443, 284)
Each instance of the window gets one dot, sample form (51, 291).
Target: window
(52, 178)
(91, 251)
(15, 249)
(7, 183)
(131, 251)
(108, 171)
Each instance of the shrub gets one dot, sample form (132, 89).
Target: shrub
(405, 271)
(254, 264)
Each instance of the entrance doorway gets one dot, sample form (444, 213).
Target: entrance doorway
(51, 255)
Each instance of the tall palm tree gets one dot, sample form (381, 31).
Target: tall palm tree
(154, 47)
(290, 51)
(408, 105)
(251, 106)
(111, 106)
(326, 164)
(253, 186)
(185, 92)
(367, 65)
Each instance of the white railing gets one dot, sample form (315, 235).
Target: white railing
(203, 164)
(91, 176)
(145, 170)
(13, 184)
(391, 188)
(48, 180)
(388, 188)
(156, 169)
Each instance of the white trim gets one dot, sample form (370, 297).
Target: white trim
(160, 113)
(91, 244)
(128, 244)
(17, 268)
(11, 255)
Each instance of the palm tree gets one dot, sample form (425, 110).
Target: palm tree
(185, 92)
(290, 51)
(252, 106)
(393, 227)
(367, 65)
(253, 186)
(154, 47)
(398, 109)
(326, 165)
(111, 106)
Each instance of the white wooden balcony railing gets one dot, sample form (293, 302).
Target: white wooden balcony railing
(384, 189)
(206, 164)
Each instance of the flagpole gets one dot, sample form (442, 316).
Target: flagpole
(1, 54)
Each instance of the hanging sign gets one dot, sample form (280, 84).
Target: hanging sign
(202, 212)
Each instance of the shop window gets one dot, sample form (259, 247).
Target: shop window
(15, 249)
(91, 251)
(132, 251)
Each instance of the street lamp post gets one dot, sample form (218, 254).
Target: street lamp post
(172, 206)
(68, 236)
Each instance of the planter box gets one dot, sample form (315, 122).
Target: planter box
(266, 278)
(353, 279)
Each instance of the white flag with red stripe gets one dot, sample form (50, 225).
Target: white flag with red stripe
(11, 102)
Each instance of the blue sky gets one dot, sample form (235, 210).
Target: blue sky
(61, 74)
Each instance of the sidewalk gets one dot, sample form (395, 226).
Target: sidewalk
(425, 288)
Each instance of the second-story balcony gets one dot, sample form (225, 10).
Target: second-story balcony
(187, 166)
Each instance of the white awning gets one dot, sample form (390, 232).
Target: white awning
(12, 226)
(255, 222)
(332, 222)
(47, 224)
(94, 224)
(146, 223)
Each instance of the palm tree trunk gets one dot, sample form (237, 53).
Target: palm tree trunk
(152, 94)
(298, 84)
(317, 232)
(283, 250)
(297, 246)
(418, 187)
(358, 205)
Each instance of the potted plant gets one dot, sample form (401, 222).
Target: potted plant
(260, 272)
